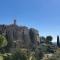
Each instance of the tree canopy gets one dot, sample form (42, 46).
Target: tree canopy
(3, 41)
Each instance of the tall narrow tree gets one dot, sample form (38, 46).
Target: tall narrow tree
(58, 43)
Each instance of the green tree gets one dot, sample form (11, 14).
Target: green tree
(42, 39)
(19, 56)
(3, 41)
(48, 39)
(38, 54)
(46, 44)
(49, 44)
(58, 41)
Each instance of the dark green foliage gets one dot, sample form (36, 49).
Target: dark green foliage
(38, 54)
(3, 43)
(19, 56)
(43, 48)
(50, 48)
(42, 39)
(10, 42)
(49, 39)
(16, 56)
(8, 57)
(46, 44)
(58, 42)
(28, 39)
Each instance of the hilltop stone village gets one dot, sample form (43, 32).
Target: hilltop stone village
(20, 36)
(27, 42)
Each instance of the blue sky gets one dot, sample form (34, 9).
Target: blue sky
(43, 15)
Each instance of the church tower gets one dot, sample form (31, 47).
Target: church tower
(14, 21)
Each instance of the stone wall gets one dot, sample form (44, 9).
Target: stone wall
(20, 36)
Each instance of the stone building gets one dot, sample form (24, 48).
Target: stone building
(20, 36)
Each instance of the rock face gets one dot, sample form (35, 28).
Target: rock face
(20, 36)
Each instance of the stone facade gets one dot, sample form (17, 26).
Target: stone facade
(20, 35)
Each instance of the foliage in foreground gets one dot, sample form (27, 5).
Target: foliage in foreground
(3, 41)
(56, 55)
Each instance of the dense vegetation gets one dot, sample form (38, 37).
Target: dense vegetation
(45, 47)
(21, 43)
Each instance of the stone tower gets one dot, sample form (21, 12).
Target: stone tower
(14, 21)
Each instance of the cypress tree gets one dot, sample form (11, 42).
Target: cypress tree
(58, 43)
